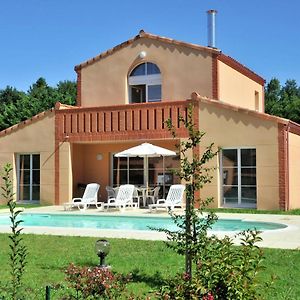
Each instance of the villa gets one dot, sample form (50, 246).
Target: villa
(124, 96)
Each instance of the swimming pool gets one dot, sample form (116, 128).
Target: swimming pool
(129, 222)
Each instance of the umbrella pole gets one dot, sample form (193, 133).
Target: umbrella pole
(118, 172)
(146, 172)
(147, 178)
(164, 187)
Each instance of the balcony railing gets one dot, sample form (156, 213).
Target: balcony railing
(131, 121)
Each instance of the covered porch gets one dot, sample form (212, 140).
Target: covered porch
(95, 162)
(88, 138)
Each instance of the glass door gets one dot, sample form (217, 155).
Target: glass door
(238, 171)
(28, 177)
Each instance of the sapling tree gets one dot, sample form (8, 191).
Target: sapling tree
(18, 250)
(221, 271)
(195, 172)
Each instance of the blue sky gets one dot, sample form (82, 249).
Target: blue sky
(47, 38)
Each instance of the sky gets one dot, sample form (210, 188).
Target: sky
(47, 38)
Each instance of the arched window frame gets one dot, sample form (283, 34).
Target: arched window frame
(148, 81)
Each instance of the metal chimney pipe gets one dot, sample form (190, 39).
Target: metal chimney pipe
(211, 28)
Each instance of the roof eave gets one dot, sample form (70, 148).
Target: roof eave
(196, 97)
(26, 122)
(143, 34)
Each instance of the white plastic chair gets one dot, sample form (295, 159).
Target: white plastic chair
(174, 198)
(136, 198)
(153, 194)
(111, 193)
(124, 198)
(90, 197)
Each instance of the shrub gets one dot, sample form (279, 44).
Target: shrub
(222, 271)
(18, 251)
(95, 283)
(214, 268)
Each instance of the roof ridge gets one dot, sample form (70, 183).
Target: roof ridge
(143, 34)
(233, 63)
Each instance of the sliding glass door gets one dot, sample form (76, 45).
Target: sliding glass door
(238, 174)
(28, 174)
(134, 170)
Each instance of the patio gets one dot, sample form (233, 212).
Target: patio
(288, 238)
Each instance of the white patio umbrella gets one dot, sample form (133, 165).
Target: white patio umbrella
(147, 150)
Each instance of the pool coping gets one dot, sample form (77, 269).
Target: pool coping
(286, 238)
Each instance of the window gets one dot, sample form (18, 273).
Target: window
(238, 171)
(256, 95)
(145, 83)
(134, 169)
(28, 173)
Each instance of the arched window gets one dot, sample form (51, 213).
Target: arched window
(145, 83)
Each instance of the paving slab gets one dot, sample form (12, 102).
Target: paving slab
(287, 238)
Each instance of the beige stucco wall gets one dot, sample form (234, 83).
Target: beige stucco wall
(230, 129)
(65, 173)
(237, 89)
(36, 137)
(294, 170)
(183, 70)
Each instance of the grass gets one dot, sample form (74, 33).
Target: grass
(255, 211)
(217, 210)
(3, 206)
(150, 261)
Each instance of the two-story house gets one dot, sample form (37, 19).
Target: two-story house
(124, 96)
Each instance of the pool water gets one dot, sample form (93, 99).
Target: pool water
(129, 222)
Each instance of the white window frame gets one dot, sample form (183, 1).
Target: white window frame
(145, 162)
(147, 80)
(30, 183)
(112, 155)
(239, 185)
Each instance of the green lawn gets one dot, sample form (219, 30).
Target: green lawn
(255, 211)
(149, 260)
(3, 206)
(217, 210)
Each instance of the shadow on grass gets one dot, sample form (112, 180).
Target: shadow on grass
(153, 281)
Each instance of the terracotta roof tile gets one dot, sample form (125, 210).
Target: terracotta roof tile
(218, 103)
(143, 34)
(59, 106)
(26, 122)
(240, 68)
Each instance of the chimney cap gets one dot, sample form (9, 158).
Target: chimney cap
(212, 11)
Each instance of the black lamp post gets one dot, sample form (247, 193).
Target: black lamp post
(102, 248)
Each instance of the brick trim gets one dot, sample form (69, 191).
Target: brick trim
(229, 61)
(283, 166)
(167, 103)
(123, 136)
(215, 77)
(294, 128)
(78, 99)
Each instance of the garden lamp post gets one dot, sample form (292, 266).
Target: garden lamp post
(102, 248)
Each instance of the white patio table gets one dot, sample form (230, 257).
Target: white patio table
(144, 194)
